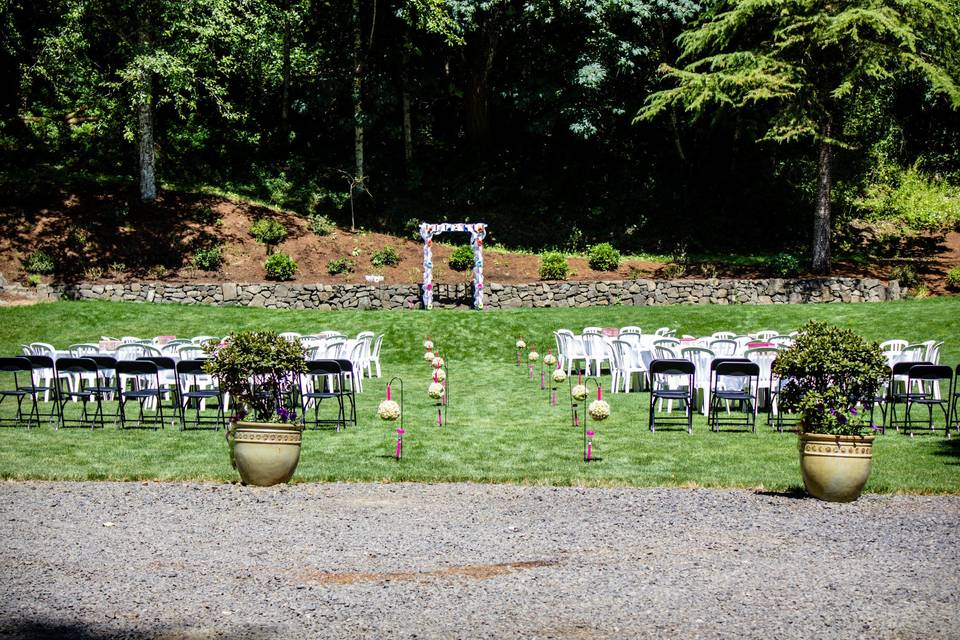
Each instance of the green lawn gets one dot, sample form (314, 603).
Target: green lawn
(501, 426)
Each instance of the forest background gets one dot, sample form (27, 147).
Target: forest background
(522, 114)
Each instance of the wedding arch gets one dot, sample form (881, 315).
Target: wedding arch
(477, 231)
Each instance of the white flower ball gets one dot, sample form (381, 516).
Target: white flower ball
(549, 359)
(428, 345)
(533, 356)
(437, 363)
(435, 390)
(439, 375)
(521, 344)
(559, 375)
(579, 392)
(389, 410)
(599, 410)
(428, 355)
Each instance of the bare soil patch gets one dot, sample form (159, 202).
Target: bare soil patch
(104, 236)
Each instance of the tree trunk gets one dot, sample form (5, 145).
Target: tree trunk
(144, 102)
(357, 92)
(405, 102)
(148, 160)
(821, 217)
(285, 106)
(480, 53)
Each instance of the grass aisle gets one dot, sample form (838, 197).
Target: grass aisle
(502, 427)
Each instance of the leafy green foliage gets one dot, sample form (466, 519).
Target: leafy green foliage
(39, 263)
(953, 278)
(806, 56)
(385, 257)
(339, 265)
(906, 274)
(462, 258)
(280, 266)
(207, 259)
(257, 369)
(603, 257)
(268, 231)
(913, 201)
(34, 280)
(785, 265)
(553, 266)
(320, 224)
(829, 371)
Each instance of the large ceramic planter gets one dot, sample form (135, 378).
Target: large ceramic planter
(265, 454)
(835, 468)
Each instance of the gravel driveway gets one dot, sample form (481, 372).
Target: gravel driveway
(157, 560)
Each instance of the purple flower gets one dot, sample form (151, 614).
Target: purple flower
(853, 411)
(286, 415)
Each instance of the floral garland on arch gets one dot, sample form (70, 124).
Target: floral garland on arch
(477, 231)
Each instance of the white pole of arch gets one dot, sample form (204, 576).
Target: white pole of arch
(426, 232)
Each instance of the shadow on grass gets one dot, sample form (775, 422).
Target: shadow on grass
(48, 630)
(949, 448)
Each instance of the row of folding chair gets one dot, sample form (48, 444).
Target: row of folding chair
(152, 381)
(913, 385)
(88, 382)
(733, 384)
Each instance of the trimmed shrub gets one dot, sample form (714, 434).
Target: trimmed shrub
(280, 266)
(906, 274)
(39, 263)
(320, 224)
(268, 231)
(553, 266)
(340, 265)
(826, 373)
(462, 258)
(386, 256)
(208, 259)
(953, 278)
(785, 265)
(603, 257)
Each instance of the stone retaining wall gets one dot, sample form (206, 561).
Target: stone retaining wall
(541, 294)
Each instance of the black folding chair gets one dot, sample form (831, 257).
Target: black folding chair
(663, 374)
(196, 386)
(145, 387)
(880, 401)
(926, 378)
(107, 368)
(734, 382)
(72, 376)
(899, 375)
(350, 393)
(167, 370)
(17, 382)
(43, 367)
(324, 379)
(955, 401)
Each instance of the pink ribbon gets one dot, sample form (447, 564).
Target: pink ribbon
(388, 392)
(542, 381)
(439, 418)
